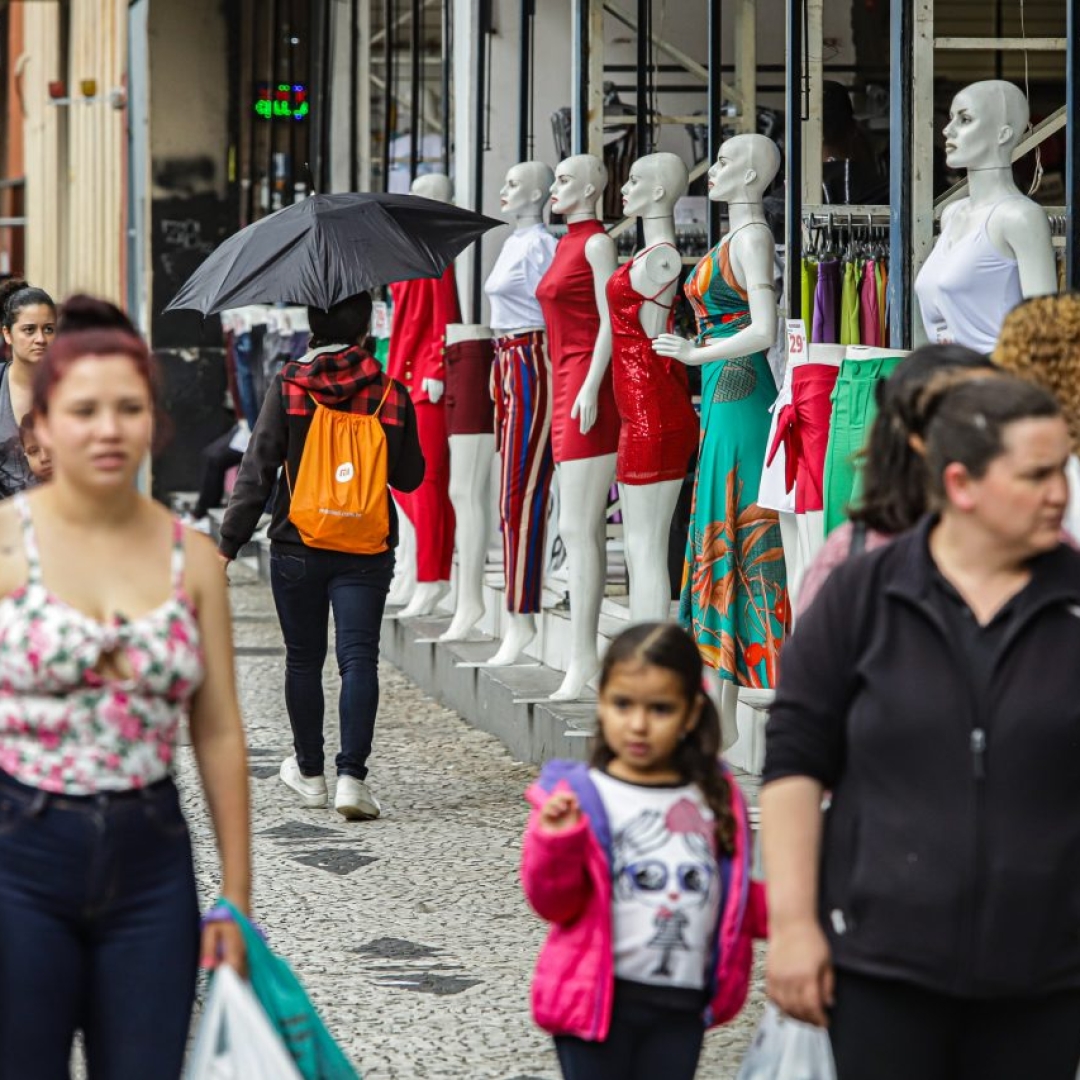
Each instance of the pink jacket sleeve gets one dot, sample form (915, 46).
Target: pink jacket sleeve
(554, 872)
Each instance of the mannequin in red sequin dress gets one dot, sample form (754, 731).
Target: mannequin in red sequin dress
(584, 423)
(659, 433)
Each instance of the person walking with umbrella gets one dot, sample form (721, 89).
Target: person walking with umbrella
(309, 576)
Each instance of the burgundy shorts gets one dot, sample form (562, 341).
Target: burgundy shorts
(469, 407)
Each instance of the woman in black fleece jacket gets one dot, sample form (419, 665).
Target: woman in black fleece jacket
(307, 582)
(931, 916)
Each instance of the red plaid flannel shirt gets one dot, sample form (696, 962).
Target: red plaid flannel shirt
(349, 379)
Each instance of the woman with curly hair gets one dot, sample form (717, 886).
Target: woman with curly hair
(1040, 341)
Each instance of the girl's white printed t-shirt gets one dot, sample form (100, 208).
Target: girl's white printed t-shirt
(666, 887)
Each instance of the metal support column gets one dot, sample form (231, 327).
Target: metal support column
(1072, 146)
(642, 125)
(388, 91)
(525, 76)
(715, 104)
(354, 93)
(796, 11)
(900, 200)
(579, 113)
(416, 88)
(447, 61)
(482, 43)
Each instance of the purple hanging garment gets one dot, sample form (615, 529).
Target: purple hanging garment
(827, 304)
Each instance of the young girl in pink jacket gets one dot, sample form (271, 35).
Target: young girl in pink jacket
(640, 861)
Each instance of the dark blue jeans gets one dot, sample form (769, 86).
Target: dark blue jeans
(643, 1043)
(306, 586)
(99, 930)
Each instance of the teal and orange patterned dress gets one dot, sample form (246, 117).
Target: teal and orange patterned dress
(734, 598)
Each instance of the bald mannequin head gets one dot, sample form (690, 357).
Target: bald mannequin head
(526, 189)
(744, 169)
(986, 121)
(579, 182)
(433, 186)
(656, 183)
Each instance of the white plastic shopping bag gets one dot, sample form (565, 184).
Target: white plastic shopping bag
(235, 1040)
(786, 1049)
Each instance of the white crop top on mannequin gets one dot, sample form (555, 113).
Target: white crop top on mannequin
(511, 285)
(969, 286)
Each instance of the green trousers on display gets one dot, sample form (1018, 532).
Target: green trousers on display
(853, 411)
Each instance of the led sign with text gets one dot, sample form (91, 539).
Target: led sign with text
(282, 102)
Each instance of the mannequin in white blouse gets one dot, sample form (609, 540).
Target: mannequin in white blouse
(515, 312)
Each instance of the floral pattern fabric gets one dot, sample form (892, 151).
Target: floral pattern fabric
(67, 724)
(734, 598)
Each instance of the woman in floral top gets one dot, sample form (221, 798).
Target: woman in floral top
(114, 630)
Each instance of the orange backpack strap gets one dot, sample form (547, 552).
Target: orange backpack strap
(386, 394)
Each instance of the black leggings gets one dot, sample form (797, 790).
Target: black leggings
(885, 1030)
(645, 1042)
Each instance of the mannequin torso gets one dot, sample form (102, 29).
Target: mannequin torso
(995, 247)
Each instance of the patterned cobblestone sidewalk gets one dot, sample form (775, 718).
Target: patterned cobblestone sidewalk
(410, 933)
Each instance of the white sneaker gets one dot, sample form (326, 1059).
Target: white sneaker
(353, 800)
(311, 789)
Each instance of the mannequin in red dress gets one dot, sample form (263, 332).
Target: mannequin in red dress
(585, 423)
(659, 432)
(422, 309)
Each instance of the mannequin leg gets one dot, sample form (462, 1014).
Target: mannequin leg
(793, 564)
(470, 474)
(431, 513)
(584, 485)
(403, 584)
(518, 635)
(524, 412)
(647, 511)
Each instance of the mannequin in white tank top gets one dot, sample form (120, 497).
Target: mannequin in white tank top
(995, 247)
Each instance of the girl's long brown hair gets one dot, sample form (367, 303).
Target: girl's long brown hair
(668, 646)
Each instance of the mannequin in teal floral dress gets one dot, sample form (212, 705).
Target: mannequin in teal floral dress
(734, 597)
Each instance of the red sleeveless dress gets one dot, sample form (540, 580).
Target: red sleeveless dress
(659, 432)
(568, 302)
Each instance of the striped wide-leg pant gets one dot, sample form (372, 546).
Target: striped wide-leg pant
(522, 394)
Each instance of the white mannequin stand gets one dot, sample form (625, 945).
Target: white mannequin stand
(655, 184)
(584, 484)
(521, 198)
(744, 169)
(470, 492)
(424, 596)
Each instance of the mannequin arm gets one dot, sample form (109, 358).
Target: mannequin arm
(1022, 228)
(600, 252)
(755, 258)
(655, 275)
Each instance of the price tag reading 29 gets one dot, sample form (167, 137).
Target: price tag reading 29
(796, 341)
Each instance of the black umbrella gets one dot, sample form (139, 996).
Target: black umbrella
(330, 247)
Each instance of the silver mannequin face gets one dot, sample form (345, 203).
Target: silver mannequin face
(727, 176)
(570, 190)
(518, 193)
(973, 135)
(640, 190)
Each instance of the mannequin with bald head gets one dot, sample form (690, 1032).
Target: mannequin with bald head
(734, 299)
(436, 186)
(423, 308)
(966, 289)
(659, 428)
(585, 423)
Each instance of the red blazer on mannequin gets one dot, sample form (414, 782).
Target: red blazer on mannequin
(422, 308)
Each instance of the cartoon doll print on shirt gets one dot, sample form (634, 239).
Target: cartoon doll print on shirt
(666, 894)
